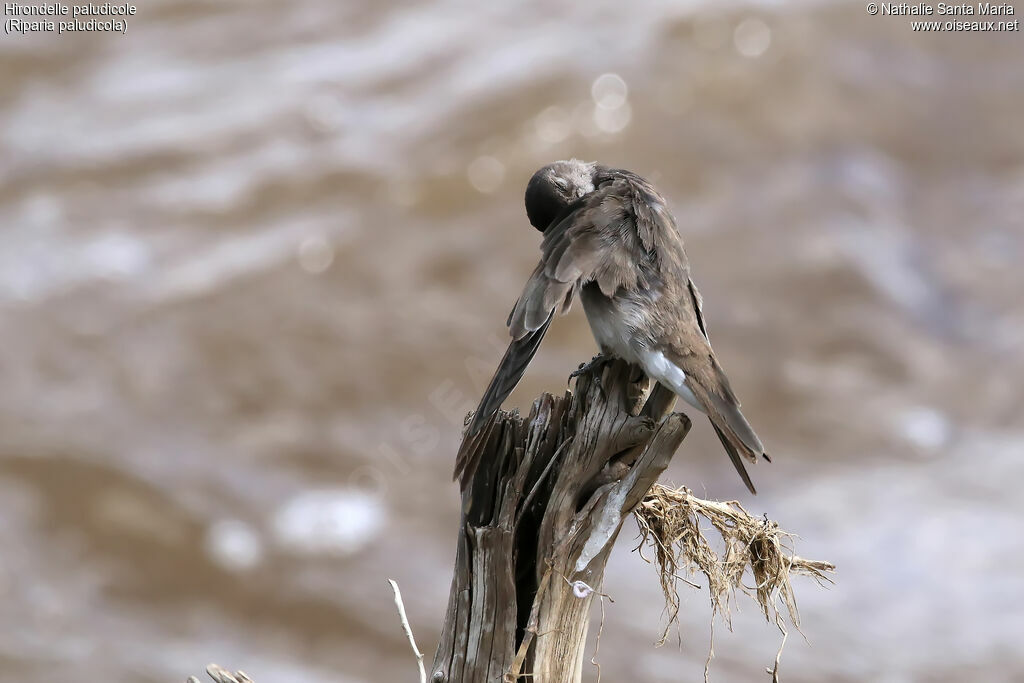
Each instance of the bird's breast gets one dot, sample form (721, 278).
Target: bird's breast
(618, 323)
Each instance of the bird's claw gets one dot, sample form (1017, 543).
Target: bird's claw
(596, 362)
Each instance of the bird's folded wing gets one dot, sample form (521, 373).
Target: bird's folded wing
(596, 242)
(707, 380)
(511, 369)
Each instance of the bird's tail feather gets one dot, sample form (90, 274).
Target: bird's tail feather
(737, 460)
(735, 433)
(718, 401)
(737, 424)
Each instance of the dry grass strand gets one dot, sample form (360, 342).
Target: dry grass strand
(674, 523)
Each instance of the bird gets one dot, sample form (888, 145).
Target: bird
(610, 239)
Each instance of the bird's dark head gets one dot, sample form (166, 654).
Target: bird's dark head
(553, 188)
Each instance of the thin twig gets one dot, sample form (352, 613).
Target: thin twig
(222, 675)
(513, 673)
(408, 630)
(711, 651)
(774, 671)
(600, 630)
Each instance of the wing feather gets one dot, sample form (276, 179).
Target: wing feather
(510, 370)
(594, 240)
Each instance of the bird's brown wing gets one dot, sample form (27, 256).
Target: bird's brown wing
(511, 369)
(595, 241)
(708, 382)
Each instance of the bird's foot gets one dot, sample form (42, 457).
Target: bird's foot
(595, 363)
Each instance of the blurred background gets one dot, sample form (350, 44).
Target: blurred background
(255, 261)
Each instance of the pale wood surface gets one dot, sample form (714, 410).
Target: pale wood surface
(543, 501)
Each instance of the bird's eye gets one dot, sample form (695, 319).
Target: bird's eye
(561, 185)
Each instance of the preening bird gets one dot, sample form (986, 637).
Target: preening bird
(609, 237)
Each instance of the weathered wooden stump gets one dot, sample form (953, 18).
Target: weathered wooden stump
(543, 501)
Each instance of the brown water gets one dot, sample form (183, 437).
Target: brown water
(254, 264)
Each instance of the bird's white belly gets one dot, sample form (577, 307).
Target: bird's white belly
(615, 323)
(612, 323)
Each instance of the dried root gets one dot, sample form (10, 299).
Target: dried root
(670, 521)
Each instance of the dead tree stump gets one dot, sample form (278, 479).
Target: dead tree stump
(543, 500)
